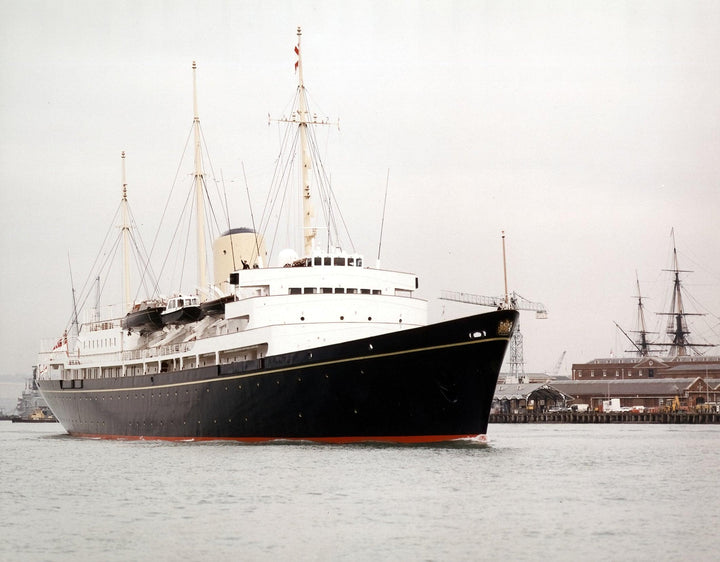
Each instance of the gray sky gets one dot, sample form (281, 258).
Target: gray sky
(584, 130)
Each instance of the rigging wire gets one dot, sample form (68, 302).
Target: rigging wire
(165, 209)
(229, 228)
(382, 221)
(252, 215)
(175, 233)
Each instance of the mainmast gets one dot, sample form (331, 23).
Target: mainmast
(126, 242)
(199, 188)
(309, 230)
(677, 327)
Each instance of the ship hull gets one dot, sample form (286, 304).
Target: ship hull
(427, 384)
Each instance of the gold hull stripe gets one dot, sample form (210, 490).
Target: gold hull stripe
(273, 371)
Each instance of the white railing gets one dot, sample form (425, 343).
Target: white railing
(138, 354)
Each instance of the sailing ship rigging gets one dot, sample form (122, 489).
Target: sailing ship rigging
(678, 344)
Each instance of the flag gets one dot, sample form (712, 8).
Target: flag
(62, 341)
(297, 52)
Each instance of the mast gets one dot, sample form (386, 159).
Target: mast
(199, 197)
(507, 298)
(309, 230)
(677, 328)
(642, 345)
(126, 242)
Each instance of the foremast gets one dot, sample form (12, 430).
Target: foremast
(199, 191)
(642, 344)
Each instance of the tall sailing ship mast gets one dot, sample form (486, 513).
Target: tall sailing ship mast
(641, 343)
(677, 327)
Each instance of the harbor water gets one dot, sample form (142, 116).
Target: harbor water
(537, 491)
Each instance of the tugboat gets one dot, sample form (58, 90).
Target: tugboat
(320, 348)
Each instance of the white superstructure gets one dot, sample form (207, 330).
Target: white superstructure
(325, 299)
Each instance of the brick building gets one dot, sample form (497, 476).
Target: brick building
(634, 368)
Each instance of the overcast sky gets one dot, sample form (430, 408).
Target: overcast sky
(585, 130)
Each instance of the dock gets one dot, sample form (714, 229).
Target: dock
(609, 417)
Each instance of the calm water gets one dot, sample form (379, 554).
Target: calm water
(551, 492)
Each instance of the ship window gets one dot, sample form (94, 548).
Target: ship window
(351, 261)
(295, 290)
(317, 261)
(377, 292)
(352, 291)
(310, 290)
(326, 290)
(328, 261)
(339, 290)
(365, 291)
(358, 263)
(339, 261)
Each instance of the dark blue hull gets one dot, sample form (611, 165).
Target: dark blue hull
(426, 384)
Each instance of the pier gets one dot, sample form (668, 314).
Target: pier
(608, 417)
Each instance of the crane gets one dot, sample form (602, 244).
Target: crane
(512, 301)
(556, 368)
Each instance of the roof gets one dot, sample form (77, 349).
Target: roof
(698, 368)
(614, 387)
(521, 391)
(679, 361)
(239, 230)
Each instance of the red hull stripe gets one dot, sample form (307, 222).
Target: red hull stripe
(335, 440)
